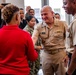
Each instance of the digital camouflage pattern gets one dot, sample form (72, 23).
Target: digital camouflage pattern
(34, 66)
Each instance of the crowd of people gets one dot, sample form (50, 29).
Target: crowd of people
(22, 37)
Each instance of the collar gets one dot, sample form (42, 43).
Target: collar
(27, 26)
(74, 16)
(56, 23)
(10, 27)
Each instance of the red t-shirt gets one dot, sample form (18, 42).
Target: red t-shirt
(16, 48)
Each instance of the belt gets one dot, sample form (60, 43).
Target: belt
(53, 51)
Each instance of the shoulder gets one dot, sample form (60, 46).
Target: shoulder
(60, 23)
(24, 32)
(38, 26)
(26, 27)
(73, 24)
(24, 21)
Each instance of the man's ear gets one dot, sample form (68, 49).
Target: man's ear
(16, 16)
(53, 13)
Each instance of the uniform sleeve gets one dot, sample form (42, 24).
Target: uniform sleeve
(31, 52)
(35, 35)
(65, 29)
(74, 33)
(66, 25)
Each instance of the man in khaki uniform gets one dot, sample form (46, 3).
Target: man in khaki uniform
(70, 8)
(52, 33)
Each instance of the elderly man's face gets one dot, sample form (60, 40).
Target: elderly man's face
(47, 15)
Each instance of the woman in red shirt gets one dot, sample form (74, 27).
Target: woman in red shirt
(16, 46)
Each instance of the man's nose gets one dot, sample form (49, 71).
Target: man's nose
(63, 6)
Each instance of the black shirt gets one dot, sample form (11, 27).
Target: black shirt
(23, 23)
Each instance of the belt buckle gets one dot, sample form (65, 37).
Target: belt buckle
(54, 52)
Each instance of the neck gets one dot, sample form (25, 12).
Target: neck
(11, 24)
(50, 24)
(73, 14)
(32, 27)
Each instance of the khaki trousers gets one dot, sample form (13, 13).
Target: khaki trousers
(53, 64)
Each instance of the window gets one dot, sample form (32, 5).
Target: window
(57, 7)
(36, 5)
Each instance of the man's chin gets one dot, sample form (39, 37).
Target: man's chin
(45, 21)
(67, 12)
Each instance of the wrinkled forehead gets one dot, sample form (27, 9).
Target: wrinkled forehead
(46, 10)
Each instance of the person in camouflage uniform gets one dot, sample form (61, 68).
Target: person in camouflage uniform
(34, 66)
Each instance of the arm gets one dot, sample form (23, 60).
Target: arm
(65, 40)
(66, 25)
(34, 39)
(31, 52)
(72, 66)
(35, 35)
(38, 47)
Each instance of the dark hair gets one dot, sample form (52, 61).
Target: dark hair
(30, 10)
(28, 18)
(21, 9)
(8, 11)
(57, 14)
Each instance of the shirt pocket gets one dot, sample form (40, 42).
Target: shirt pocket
(43, 36)
(58, 34)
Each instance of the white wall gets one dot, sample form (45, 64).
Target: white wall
(19, 3)
(33, 3)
